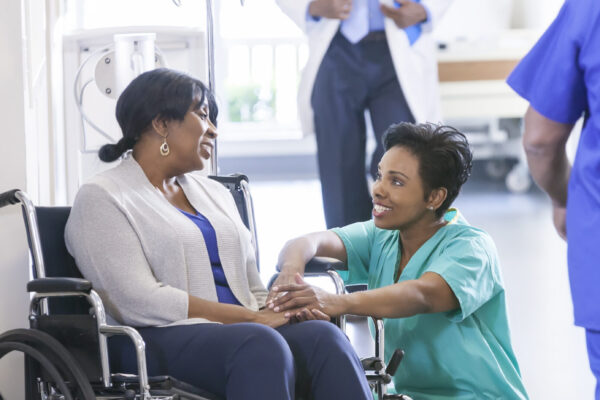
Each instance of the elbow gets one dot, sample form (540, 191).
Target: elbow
(535, 144)
(424, 302)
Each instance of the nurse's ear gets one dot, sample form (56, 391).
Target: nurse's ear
(436, 198)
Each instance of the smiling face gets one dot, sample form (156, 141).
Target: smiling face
(192, 139)
(398, 193)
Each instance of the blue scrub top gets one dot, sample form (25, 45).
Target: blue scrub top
(560, 77)
(224, 293)
(464, 354)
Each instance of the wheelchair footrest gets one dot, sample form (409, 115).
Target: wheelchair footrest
(164, 383)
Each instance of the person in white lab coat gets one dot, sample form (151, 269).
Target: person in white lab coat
(375, 55)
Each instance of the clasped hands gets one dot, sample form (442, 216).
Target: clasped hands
(409, 13)
(300, 301)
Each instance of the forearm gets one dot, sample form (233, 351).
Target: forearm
(295, 254)
(219, 312)
(544, 142)
(550, 169)
(400, 300)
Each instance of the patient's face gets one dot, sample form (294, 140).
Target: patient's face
(193, 138)
(398, 192)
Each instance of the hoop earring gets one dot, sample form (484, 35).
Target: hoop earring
(164, 148)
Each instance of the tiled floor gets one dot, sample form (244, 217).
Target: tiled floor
(550, 350)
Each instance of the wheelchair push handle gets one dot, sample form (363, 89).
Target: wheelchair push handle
(8, 198)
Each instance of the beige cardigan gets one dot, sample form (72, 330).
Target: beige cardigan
(144, 257)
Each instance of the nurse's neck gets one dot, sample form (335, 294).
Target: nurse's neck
(412, 237)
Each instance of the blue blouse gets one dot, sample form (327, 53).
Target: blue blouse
(224, 293)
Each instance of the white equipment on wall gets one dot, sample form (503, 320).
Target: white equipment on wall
(98, 65)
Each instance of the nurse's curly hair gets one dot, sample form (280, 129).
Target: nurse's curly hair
(445, 159)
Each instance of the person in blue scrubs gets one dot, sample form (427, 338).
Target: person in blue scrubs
(433, 278)
(560, 77)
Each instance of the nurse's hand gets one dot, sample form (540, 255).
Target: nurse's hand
(300, 295)
(270, 318)
(559, 216)
(333, 9)
(282, 279)
(409, 13)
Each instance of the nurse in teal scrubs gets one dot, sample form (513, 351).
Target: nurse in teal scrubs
(433, 278)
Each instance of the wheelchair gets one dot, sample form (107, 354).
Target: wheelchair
(66, 349)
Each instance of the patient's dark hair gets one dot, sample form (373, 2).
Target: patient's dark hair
(162, 93)
(445, 159)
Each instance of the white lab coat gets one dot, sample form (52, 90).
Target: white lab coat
(416, 65)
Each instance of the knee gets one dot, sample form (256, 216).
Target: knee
(327, 336)
(267, 345)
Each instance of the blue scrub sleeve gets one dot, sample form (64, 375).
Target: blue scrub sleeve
(465, 264)
(358, 240)
(549, 76)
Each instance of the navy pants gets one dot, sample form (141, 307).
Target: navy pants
(593, 346)
(251, 361)
(353, 78)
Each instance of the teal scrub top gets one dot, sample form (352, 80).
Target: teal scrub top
(461, 354)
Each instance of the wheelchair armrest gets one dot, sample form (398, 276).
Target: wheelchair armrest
(231, 179)
(357, 287)
(323, 264)
(56, 285)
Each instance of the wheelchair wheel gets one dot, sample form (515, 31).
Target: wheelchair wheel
(7, 347)
(67, 368)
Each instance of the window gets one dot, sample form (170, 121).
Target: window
(263, 52)
(259, 56)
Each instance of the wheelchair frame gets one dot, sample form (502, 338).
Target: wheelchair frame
(38, 304)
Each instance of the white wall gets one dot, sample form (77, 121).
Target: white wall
(13, 253)
(26, 155)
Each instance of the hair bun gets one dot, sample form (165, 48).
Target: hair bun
(110, 152)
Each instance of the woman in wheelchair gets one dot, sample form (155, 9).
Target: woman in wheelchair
(432, 277)
(168, 253)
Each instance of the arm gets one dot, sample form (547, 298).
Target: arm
(109, 253)
(230, 313)
(428, 294)
(297, 252)
(427, 13)
(408, 14)
(544, 141)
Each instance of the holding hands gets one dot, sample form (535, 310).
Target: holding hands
(301, 301)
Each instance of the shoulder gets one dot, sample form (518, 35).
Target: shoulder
(202, 181)
(469, 240)
(365, 232)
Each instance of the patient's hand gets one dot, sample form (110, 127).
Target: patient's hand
(309, 315)
(295, 297)
(268, 317)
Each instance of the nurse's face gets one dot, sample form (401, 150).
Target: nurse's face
(398, 193)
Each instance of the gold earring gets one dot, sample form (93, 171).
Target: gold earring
(164, 148)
